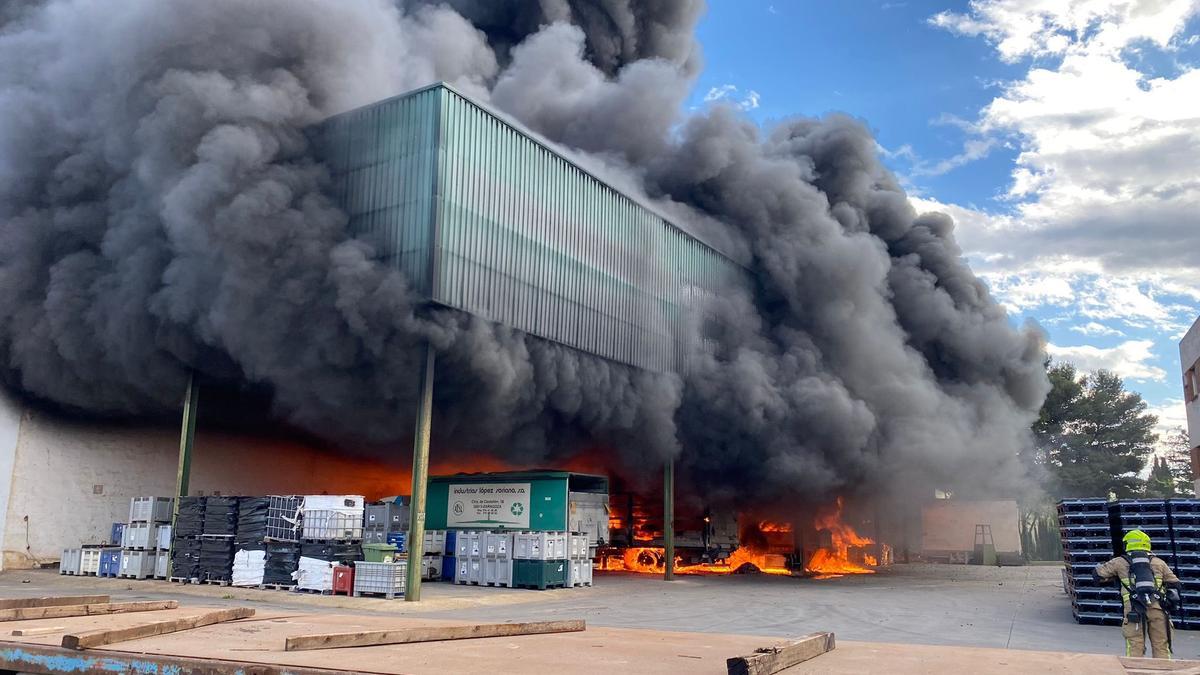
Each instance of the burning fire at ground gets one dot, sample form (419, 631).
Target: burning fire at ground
(834, 557)
(842, 551)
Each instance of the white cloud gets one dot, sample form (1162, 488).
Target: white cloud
(1100, 222)
(731, 94)
(1130, 359)
(1021, 28)
(973, 149)
(1172, 416)
(1107, 164)
(1098, 329)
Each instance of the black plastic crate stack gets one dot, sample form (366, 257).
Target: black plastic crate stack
(216, 544)
(1185, 543)
(221, 516)
(283, 557)
(185, 542)
(1087, 541)
(345, 551)
(251, 523)
(216, 557)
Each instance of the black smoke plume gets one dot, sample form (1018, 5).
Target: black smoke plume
(161, 211)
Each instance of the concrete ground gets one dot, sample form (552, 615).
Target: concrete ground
(1008, 608)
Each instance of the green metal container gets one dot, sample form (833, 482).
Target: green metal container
(377, 553)
(537, 501)
(540, 574)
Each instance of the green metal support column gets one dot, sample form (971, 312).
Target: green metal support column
(669, 520)
(187, 439)
(420, 476)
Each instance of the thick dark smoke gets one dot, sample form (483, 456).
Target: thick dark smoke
(161, 211)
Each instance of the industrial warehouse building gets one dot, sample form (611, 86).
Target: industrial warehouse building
(481, 217)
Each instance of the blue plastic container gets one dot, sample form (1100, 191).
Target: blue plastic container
(448, 564)
(110, 563)
(451, 541)
(118, 532)
(398, 539)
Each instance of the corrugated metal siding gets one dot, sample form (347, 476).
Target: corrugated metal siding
(523, 237)
(529, 240)
(383, 159)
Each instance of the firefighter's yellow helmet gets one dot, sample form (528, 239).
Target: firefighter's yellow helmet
(1136, 540)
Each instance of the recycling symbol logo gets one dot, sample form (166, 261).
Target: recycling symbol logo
(517, 508)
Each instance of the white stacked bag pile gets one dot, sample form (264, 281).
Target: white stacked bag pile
(249, 567)
(314, 574)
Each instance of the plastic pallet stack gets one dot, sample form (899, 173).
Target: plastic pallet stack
(433, 552)
(1185, 543)
(1087, 541)
(382, 519)
(482, 558)
(449, 556)
(140, 541)
(579, 555)
(185, 539)
(540, 560)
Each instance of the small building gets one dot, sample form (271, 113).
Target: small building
(952, 528)
(1189, 359)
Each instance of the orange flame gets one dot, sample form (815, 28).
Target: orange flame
(835, 559)
(647, 560)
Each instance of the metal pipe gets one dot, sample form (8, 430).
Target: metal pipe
(669, 520)
(420, 475)
(187, 439)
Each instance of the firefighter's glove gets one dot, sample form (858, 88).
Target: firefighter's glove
(1173, 598)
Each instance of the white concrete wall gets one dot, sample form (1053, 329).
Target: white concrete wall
(1189, 359)
(70, 481)
(949, 524)
(10, 431)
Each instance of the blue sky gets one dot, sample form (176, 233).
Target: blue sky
(1052, 142)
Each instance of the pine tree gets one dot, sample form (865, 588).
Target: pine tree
(1161, 482)
(1177, 456)
(1093, 437)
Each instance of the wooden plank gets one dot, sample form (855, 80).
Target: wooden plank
(54, 601)
(429, 634)
(26, 632)
(30, 613)
(1135, 666)
(35, 658)
(99, 638)
(774, 659)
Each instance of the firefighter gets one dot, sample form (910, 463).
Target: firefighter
(1149, 591)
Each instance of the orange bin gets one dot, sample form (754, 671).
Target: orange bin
(343, 580)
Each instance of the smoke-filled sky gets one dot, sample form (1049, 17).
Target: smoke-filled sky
(1060, 135)
(161, 211)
